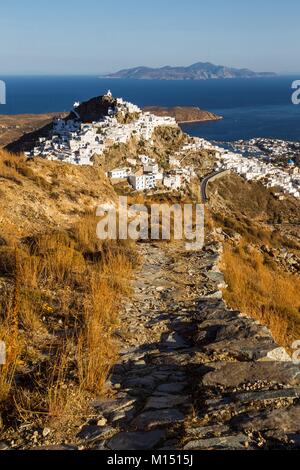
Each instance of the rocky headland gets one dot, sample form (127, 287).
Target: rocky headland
(184, 114)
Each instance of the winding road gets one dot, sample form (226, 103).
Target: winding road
(205, 181)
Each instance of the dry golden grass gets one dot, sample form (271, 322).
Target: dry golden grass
(96, 346)
(9, 333)
(260, 290)
(14, 167)
(69, 277)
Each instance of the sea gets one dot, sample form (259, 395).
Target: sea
(258, 107)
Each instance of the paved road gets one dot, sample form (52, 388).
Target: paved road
(204, 182)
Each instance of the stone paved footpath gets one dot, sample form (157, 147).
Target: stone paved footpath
(193, 374)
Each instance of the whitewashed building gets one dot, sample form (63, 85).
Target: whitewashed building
(118, 173)
(140, 182)
(172, 181)
(151, 168)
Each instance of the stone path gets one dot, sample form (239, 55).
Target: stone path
(193, 374)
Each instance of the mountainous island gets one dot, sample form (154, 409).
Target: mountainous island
(197, 71)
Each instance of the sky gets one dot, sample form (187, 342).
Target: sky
(101, 36)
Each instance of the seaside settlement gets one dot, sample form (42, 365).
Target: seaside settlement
(77, 142)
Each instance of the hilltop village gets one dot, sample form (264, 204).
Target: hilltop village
(76, 140)
(286, 178)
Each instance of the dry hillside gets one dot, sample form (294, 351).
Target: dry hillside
(261, 262)
(60, 293)
(13, 127)
(39, 194)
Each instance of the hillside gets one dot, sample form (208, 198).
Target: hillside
(261, 262)
(184, 114)
(12, 127)
(198, 71)
(122, 344)
(60, 292)
(107, 359)
(39, 195)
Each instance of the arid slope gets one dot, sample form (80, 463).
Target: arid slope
(37, 195)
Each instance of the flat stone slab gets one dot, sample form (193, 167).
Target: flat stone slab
(170, 388)
(222, 443)
(215, 295)
(215, 430)
(93, 432)
(4, 445)
(234, 374)
(110, 406)
(287, 420)
(215, 277)
(278, 354)
(126, 414)
(150, 419)
(247, 348)
(140, 382)
(136, 440)
(247, 397)
(165, 401)
(175, 341)
(56, 447)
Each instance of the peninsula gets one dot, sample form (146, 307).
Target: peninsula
(184, 114)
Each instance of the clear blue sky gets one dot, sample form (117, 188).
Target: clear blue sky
(97, 36)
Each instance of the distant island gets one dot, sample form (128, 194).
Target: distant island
(184, 114)
(198, 71)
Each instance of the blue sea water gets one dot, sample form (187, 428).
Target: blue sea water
(259, 107)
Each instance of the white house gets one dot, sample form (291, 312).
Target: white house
(144, 159)
(151, 168)
(132, 161)
(118, 173)
(150, 181)
(141, 182)
(137, 181)
(172, 181)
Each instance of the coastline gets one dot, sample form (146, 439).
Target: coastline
(199, 121)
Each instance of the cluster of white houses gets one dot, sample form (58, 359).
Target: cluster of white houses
(144, 174)
(273, 148)
(75, 142)
(288, 179)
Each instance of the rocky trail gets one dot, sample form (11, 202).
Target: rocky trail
(192, 374)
